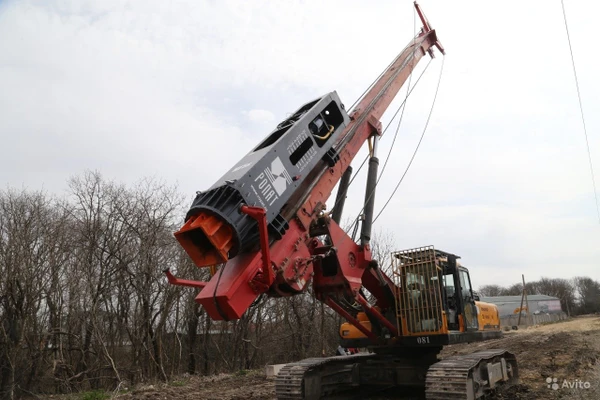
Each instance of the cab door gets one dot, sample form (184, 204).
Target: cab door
(468, 300)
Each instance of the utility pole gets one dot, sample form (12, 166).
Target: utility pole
(524, 297)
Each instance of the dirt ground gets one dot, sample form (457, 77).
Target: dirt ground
(568, 351)
(252, 385)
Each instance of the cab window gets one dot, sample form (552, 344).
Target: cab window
(449, 285)
(465, 284)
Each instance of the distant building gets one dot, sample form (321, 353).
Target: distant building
(538, 304)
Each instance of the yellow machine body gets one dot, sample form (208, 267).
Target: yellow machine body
(488, 316)
(434, 299)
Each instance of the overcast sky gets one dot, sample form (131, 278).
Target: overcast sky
(182, 90)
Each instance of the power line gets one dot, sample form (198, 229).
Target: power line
(581, 110)
(418, 144)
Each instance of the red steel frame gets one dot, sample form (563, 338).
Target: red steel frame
(286, 267)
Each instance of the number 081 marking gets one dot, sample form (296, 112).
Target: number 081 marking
(423, 340)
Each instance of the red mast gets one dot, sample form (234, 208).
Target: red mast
(339, 267)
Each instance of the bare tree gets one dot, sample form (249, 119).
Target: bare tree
(149, 213)
(588, 292)
(560, 288)
(27, 252)
(513, 290)
(100, 239)
(491, 290)
(83, 302)
(383, 244)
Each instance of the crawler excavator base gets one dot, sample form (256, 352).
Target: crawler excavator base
(462, 377)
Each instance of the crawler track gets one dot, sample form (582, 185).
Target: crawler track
(466, 377)
(316, 377)
(459, 377)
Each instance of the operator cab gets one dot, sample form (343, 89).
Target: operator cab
(435, 295)
(457, 294)
(435, 304)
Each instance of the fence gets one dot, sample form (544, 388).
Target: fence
(533, 319)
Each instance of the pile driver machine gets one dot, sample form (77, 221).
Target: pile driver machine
(265, 222)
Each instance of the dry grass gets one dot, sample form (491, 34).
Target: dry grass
(564, 350)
